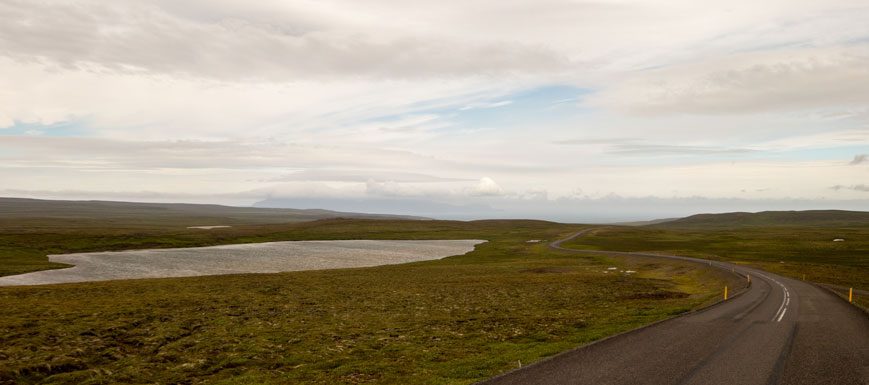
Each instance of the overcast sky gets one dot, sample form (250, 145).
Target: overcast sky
(551, 109)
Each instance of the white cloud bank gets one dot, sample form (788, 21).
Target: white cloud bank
(300, 40)
(233, 102)
(783, 79)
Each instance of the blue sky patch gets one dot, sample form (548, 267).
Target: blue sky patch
(539, 105)
(66, 128)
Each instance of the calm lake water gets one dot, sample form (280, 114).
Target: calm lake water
(272, 257)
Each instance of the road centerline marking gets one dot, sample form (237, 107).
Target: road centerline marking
(786, 300)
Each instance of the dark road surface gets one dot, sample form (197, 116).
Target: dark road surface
(779, 331)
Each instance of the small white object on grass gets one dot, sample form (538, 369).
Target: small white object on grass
(838, 240)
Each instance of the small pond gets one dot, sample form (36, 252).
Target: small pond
(271, 257)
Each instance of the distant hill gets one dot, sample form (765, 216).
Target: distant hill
(644, 223)
(394, 205)
(26, 213)
(816, 218)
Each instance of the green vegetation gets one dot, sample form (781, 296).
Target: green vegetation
(456, 320)
(789, 251)
(808, 218)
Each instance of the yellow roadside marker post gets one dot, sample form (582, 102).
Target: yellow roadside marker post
(748, 277)
(850, 294)
(725, 293)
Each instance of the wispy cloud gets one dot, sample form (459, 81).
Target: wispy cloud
(475, 106)
(855, 187)
(632, 146)
(359, 175)
(859, 159)
(596, 141)
(752, 82)
(302, 42)
(663, 149)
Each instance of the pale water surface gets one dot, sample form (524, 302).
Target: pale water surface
(272, 257)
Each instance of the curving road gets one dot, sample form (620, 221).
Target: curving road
(778, 331)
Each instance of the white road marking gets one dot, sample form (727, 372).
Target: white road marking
(785, 301)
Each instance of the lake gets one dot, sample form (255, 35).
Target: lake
(271, 257)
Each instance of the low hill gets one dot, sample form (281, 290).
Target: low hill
(30, 213)
(810, 218)
(644, 223)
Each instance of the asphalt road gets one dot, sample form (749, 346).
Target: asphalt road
(779, 331)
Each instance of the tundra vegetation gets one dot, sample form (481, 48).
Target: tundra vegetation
(455, 320)
(795, 244)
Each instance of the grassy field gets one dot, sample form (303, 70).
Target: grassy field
(791, 251)
(451, 321)
(767, 219)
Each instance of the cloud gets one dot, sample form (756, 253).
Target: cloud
(290, 41)
(535, 194)
(856, 187)
(357, 175)
(486, 187)
(265, 156)
(364, 101)
(475, 106)
(149, 37)
(623, 147)
(663, 149)
(161, 106)
(596, 141)
(783, 79)
(273, 68)
(631, 146)
(858, 159)
(405, 190)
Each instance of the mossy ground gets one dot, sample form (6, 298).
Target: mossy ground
(451, 321)
(800, 252)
